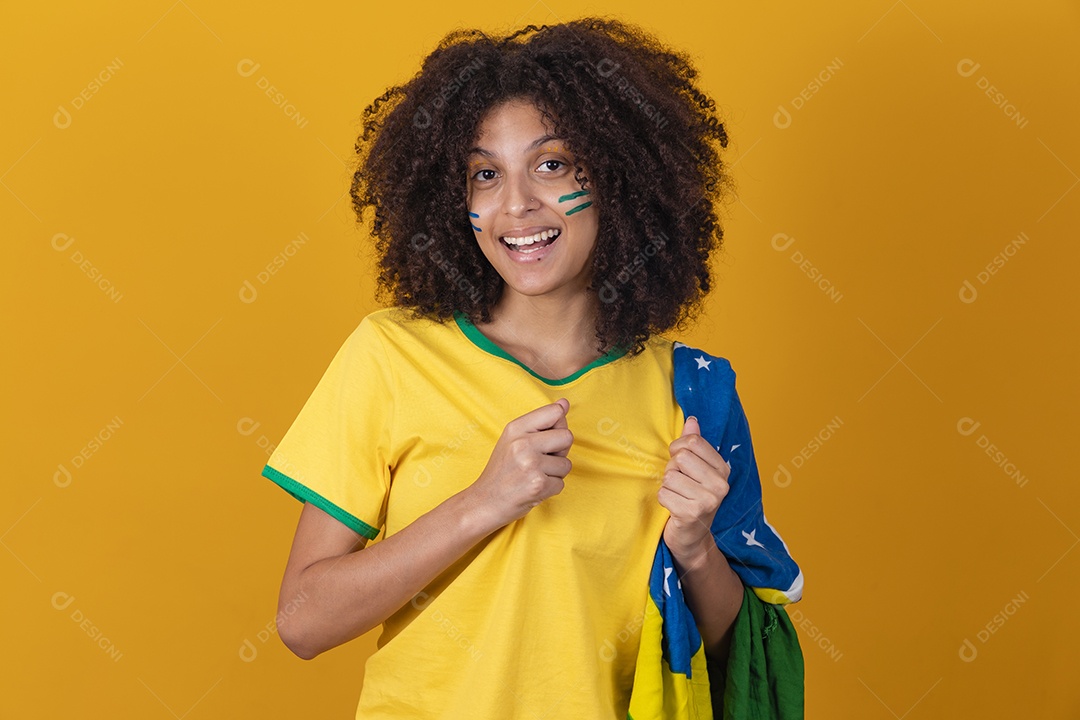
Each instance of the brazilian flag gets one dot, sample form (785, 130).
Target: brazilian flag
(763, 677)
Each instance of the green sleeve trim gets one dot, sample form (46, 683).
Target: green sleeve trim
(484, 343)
(306, 494)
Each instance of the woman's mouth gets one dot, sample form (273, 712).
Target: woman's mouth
(531, 243)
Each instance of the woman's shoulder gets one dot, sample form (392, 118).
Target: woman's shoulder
(396, 326)
(695, 364)
(381, 317)
(672, 345)
(399, 318)
(698, 354)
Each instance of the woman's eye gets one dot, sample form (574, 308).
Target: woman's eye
(557, 163)
(478, 173)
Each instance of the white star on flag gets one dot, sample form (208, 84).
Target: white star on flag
(702, 362)
(750, 539)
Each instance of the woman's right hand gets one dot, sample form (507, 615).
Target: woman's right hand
(526, 467)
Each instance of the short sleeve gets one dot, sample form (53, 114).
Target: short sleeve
(337, 453)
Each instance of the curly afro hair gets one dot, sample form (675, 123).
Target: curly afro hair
(629, 110)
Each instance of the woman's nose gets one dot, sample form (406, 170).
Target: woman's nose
(519, 196)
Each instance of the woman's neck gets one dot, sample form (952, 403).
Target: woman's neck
(555, 337)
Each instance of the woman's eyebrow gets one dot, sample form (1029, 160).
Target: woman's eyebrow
(532, 146)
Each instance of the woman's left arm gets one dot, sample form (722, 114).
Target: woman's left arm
(694, 485)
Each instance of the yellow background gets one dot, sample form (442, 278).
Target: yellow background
(179, 181)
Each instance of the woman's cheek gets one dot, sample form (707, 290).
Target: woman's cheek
(574, 202)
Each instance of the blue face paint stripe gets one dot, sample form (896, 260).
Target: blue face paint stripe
(472, 214)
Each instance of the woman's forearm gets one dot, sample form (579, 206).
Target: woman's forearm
(340, 598)
(347, 593)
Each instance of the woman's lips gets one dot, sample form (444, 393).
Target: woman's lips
(533, 252)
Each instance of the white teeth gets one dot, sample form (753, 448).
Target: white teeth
(530, 239)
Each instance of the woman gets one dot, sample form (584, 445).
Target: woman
(544, 208)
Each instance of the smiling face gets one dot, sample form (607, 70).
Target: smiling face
(533, 221)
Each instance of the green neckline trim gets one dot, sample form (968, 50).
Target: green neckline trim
(306, 494)
(484, 343)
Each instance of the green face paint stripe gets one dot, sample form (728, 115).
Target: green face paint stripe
(579, 207)
(571, 196)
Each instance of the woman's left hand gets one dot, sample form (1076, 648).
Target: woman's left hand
(694, 484)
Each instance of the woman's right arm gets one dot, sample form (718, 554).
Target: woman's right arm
(334, 589)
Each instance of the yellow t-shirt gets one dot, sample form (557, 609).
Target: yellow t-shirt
(542, 618)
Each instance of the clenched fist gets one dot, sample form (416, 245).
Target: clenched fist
(527, 465)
